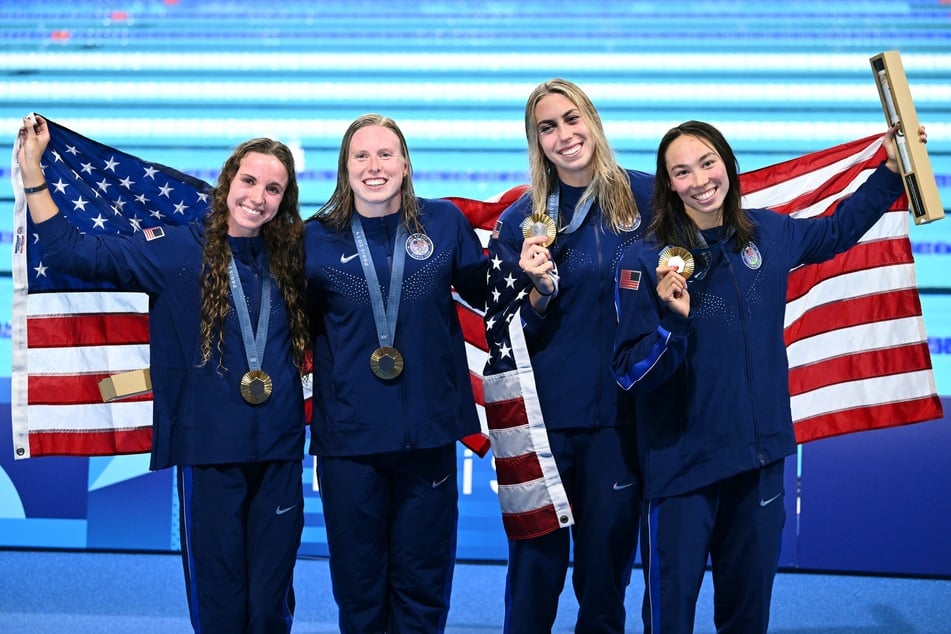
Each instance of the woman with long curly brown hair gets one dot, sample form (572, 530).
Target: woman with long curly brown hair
(225, 360)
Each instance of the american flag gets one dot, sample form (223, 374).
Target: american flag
(854, 332)
(483, 216)
(628, 279)
(855, 335)
(68, 334)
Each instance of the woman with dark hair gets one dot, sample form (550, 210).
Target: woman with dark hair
(700, 344)
(392, 392)
(566, 461)
(228, 334)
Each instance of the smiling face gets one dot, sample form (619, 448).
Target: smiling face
(376, 168)
(255, 194)
(564, 139)
(699, 176)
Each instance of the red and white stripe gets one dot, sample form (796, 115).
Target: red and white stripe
(70, 343)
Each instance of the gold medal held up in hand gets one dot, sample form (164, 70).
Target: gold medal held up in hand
(679, 257)
(386, 362)
(256, 386)
(540, 225)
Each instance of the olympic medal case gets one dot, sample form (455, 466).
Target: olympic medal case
(914, 164)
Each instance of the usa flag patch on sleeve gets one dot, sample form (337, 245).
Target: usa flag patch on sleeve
(496, 230)
(153, 233)
(629, 279)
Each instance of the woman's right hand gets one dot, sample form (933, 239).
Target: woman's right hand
(33, 142)
(672, 290)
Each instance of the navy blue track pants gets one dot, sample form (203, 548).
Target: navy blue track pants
(602, 480)
(240, 529)
(391, 530)
(738, 524)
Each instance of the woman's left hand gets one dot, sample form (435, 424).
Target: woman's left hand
(892, 152)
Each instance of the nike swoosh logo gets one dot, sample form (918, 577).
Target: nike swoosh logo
(770, 500)
(344, 260)
(437, 484)
(621, 487)
(280, 511)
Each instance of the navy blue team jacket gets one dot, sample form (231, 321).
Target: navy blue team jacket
(199, 416)
(572, 344)
(431, 403)
(712, 389)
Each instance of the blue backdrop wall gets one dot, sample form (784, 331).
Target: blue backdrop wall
(181, 82)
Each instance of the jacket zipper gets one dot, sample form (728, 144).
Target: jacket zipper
(746, 350)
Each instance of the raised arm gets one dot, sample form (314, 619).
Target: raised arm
(33, 141)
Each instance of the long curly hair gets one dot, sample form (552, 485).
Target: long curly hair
(340, 206)
(610, 185)
(671, 223)
(283, 239)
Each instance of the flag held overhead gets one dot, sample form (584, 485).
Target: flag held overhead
(70, 334)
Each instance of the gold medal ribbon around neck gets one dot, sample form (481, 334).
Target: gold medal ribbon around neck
(255, 386)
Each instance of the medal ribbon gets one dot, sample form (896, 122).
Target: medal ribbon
(253, 344)
(700, 272)
(385, 318)
(553, 208)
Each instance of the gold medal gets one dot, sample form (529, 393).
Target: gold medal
(386, 362)
(256, 386)
(540, 225)
(679, 257)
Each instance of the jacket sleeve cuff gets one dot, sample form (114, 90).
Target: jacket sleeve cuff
(531, 320)
(676, 325)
